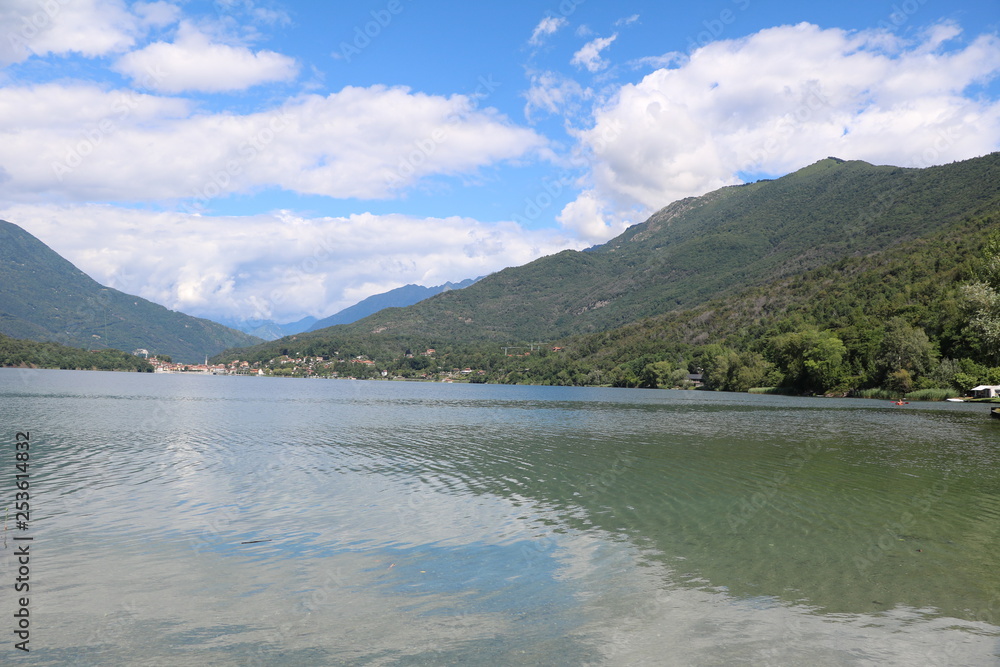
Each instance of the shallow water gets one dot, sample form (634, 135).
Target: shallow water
(238, 520)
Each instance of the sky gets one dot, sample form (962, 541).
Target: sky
(267, 159)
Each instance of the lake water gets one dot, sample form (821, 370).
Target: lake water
(256, 521)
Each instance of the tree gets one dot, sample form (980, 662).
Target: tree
(811, 360)
(982, 298)
(904, 348)
(726, 369)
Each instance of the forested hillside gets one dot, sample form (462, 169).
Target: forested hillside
(46, 298)
(896, 320)
(702, 248)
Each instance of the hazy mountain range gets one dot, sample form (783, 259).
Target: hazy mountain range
(407, 295)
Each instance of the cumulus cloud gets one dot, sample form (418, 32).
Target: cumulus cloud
(89, 27)
(157, 14)
(745, 106)
(85, 143)
(553, 93)
(589, 57)
(547, 26)
(280, 265)
(193, 62)
(589, 219)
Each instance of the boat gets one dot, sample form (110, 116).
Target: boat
(900, 402)
(955, 400)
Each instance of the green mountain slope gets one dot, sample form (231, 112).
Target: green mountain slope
(45, 298)
(889, 311)
(702, 248)
(916, 281)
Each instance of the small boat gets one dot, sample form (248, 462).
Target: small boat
(955, 400)
(900, 402)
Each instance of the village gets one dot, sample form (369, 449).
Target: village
(323, 367)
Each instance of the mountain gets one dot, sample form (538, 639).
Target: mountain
(396, 298)
(889, 323)
(702, 248)
(407, 295)
(269, 329)
(46, 298)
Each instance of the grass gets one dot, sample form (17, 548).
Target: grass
(877, 393)
(932, 394)
(919, 395)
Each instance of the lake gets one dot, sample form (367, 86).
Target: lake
(188, 520)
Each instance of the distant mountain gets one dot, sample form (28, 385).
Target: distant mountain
(269, 329)
(703, 248)
(43, 297)
(396, 298)
(400, 297)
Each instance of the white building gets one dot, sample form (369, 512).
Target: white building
(986, 391)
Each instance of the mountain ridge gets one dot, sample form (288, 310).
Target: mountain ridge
(46, 298)
(703, 247)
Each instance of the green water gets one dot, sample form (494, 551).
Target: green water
(193, 520)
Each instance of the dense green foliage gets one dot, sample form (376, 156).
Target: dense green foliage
(699, 249)
(35, 354)
(46, 298)
(892, 315)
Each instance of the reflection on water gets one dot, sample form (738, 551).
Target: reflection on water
(262, 521)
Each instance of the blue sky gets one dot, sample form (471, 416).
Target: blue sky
(262, 159)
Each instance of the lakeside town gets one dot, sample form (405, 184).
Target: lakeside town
(325, 367)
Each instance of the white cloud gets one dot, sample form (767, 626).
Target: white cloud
(261, 15)
(547, 26)
(89, 27)
(589, 56)
(82, 143)
(157, 14)
(588, 218)
(193, 62)
(280, 265)
(628, 20)
(554, 93)
(746, 106)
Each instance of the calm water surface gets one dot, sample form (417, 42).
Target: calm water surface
(257, 521)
